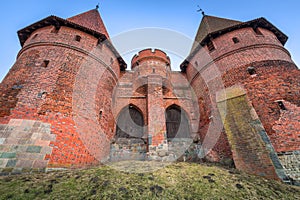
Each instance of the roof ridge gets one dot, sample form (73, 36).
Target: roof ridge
(90, 19)
(210, 24)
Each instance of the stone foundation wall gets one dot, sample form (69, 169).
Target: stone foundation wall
(291, 164)
(24, 146)
(128, 149)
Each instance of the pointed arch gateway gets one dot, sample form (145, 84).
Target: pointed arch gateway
(130, 123)
(130, 142)
(177, 123)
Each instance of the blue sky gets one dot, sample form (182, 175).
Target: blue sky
(124, 15)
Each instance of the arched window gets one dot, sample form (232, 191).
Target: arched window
(130, 123)
(177, 123)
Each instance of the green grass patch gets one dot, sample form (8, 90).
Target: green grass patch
(175, 181)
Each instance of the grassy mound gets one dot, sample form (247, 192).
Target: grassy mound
(175, 181)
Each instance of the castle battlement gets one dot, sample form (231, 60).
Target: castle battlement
(150, 54)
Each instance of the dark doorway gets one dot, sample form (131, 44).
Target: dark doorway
(130, 142)
(130, 123)
(177, 123)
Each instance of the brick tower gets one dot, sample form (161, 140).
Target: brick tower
(241, 72)
(165, 103)
(64, 67)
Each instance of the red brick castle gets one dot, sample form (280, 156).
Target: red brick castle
(69, 101)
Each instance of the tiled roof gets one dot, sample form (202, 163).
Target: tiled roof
(213, 27)
(211, 24)
(90, 19)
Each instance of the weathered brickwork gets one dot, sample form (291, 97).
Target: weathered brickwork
(249, 143)
(69, 78)
(51, 70)
(287, 135)
(291, 164)
(255, 59)
(24, 144)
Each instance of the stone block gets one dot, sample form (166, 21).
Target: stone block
(24, 134)
(40, 164)
(42, 143)
(31, 156)
(8, 155)
(22, 163)
(48, 136)
(36, 135)
(3, 162)
(11, 163)
(4, 148)
(4, 134)
(15, 122)
(11, 141)
(34, 149)
(2, 127)
(18, 148)
(2, 140)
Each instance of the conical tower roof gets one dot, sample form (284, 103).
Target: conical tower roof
(91, 20)
(212, 27)
(211, 24)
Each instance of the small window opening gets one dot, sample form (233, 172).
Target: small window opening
(99, 43)
(251, 70)
(196, 64)
(45, 63)
(55, 29)
(167, 65)
(100, 114)
(77, 38)
(42, 95)
(235, 40)
(35, 36)
(210, 46)
(153, 70)
(281, 105)
(257, 31)
(17, 87)
(111, 61)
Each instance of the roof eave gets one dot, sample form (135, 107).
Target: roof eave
(260, 22)
(25, 33)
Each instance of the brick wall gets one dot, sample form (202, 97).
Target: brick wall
(251, 149)
(64, 92)
(276, 76)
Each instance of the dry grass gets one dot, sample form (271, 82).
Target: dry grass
(145, 180)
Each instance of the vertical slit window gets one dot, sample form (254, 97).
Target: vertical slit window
(257, 31)
(281, 105)
(210, 46)
(100, 114)
(196, 64)
(55, 29)
(35, 36)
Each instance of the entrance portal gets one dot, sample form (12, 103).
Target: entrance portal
(130, 142)
(177, 123)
